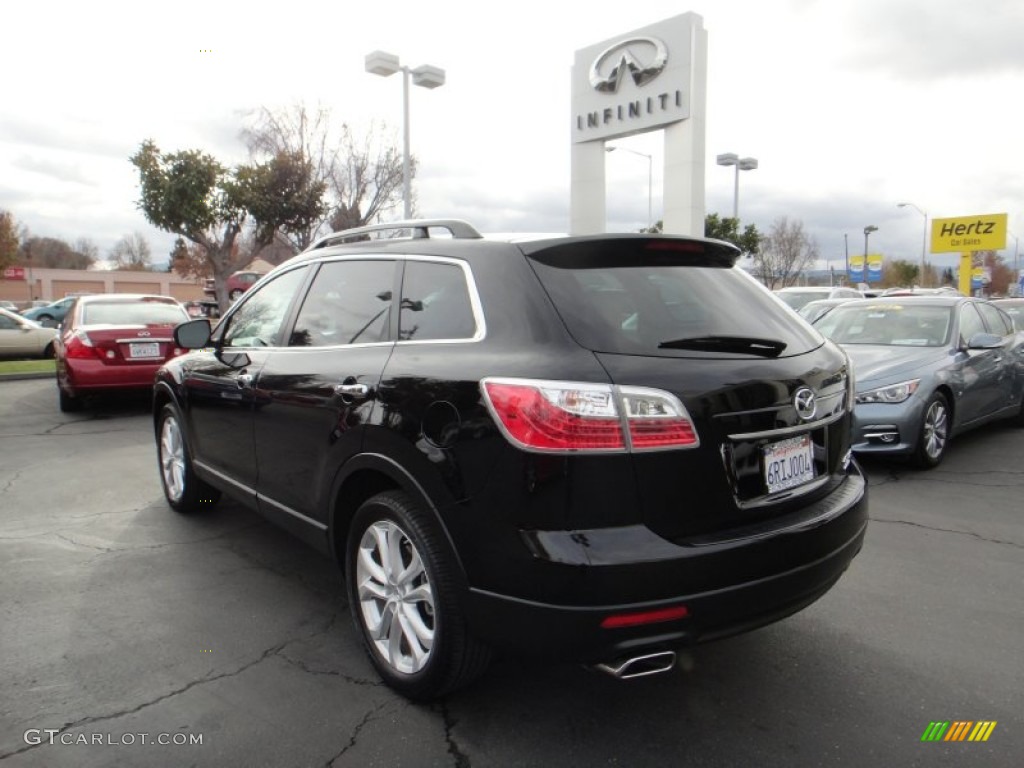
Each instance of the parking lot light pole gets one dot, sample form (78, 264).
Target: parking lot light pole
(742, 164)
(425, 76)
(924, 238)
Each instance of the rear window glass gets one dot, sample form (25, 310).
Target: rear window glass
(141, 312)
(671, 307)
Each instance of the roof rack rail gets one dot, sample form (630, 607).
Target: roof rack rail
(420, 229)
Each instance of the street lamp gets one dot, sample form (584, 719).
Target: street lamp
(924, 238)
(742, 164)
(425, 76)
(650, 179)
(867, 231)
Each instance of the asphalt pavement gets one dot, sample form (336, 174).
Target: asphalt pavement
(132, 635)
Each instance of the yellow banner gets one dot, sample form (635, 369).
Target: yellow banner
(986, 232)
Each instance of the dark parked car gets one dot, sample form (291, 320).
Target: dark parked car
(113, 342)
(927, 368)
(568, 447)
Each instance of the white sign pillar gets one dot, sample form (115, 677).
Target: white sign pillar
(650, 79)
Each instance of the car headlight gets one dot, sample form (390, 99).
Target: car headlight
(894, 393)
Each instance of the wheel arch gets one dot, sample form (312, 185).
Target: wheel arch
(363, 477)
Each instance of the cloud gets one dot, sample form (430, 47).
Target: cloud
(938, 39)
(61, 171)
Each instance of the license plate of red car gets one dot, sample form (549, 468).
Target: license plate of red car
(148, 349)
(788, 463)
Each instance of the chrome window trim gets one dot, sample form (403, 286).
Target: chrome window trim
(783, 431)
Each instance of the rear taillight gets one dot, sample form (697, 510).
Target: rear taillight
(80, 347)
(565, 416)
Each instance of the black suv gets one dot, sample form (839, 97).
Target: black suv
(592, 448)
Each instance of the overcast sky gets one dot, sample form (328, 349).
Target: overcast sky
(849, 106)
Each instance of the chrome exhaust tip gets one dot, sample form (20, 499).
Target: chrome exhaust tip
(639, 666)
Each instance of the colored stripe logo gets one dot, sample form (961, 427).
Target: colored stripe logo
(958, 730)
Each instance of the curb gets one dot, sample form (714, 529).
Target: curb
(25, 376)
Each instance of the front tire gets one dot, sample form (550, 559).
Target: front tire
(934, 436)
(403, 588)
(183, 490)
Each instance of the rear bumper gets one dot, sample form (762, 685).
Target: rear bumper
(94, 375)
(729, 586)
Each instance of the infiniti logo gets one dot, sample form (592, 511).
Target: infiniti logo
(144, 333)
(628, 55)
(805, 404)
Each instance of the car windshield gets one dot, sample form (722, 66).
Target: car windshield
(141, 312)
(888, 325)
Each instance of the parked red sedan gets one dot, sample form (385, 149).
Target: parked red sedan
(114, 342)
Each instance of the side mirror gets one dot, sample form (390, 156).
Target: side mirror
(194, 334)
(985, 341)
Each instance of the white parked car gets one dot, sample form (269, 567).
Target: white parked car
(797, 296)
(21, 337)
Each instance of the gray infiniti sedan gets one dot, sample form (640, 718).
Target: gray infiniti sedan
(927, 368)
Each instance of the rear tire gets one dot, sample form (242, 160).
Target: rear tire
(933, 439)
(183, 490)
(404, 593)
(48, 353)
(47, 321)
(68, 403)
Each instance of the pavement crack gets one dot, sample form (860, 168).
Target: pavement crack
(368, 718)
(10, 483)
(461, 758)
(272, 651)
(939, 529)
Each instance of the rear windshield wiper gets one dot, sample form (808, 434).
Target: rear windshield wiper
(753, 346)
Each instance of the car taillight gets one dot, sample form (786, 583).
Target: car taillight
(561, 416)
(79, 346)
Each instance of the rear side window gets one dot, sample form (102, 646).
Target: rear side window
(435, 303)
(348, 303)
(670, 308)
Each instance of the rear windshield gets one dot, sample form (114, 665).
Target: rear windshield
(142, 312)
(669, 305)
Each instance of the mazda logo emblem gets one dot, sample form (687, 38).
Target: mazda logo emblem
(805, 403)
(643, 57)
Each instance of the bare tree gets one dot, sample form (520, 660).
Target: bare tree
(131, 252)
(363, 177)
(784, 253)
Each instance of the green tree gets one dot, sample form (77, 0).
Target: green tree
(9, 239)
(191, 194)
(897, 273)
(728, 229)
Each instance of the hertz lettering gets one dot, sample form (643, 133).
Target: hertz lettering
(978, 227)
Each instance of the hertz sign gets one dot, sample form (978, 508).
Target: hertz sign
(969, 233)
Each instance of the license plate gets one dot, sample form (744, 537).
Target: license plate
(788, 463)
(144, 350)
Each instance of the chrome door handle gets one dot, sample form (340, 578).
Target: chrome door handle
(244, 380)
(358, 391)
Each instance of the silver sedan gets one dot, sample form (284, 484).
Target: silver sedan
(927, 368)
(21, 337)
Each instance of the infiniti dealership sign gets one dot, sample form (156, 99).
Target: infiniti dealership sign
(651, 79)
(634, 83)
